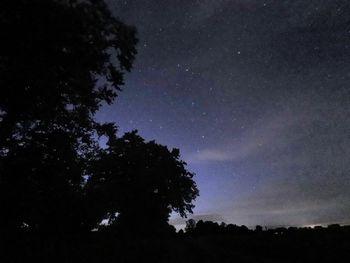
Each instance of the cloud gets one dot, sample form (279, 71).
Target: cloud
(287, 203)
(297, 160)
(211, 155)
(256, 139)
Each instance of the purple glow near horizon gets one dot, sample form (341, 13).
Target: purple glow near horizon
(255, 94)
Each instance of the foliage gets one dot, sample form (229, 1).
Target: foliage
(141, 181)
(59, 61)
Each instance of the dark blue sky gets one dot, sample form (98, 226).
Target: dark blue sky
(256, 96)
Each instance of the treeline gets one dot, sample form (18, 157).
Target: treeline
(205, 242)
(214, 242)
(202, 228)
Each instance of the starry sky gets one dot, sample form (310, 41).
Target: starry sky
(255, 94)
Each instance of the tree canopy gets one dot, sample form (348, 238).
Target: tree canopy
(141, 181)
(60, 60)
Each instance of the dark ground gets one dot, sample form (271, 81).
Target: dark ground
(227, 244)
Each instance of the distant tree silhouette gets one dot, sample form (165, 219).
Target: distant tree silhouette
(142, 181)
(258, 228)
(201, 228)
(206, 228)
(59, 61)
(190, 225)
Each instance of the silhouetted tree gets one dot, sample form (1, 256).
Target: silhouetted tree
(59, 61)
(258, 228)
(206, 228)
(142, 181)
(190, 225)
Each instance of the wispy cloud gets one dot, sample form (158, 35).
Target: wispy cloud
(210, 155)
(257, 139)
(282, 203)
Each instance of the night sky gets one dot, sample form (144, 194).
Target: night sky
(255, 94)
